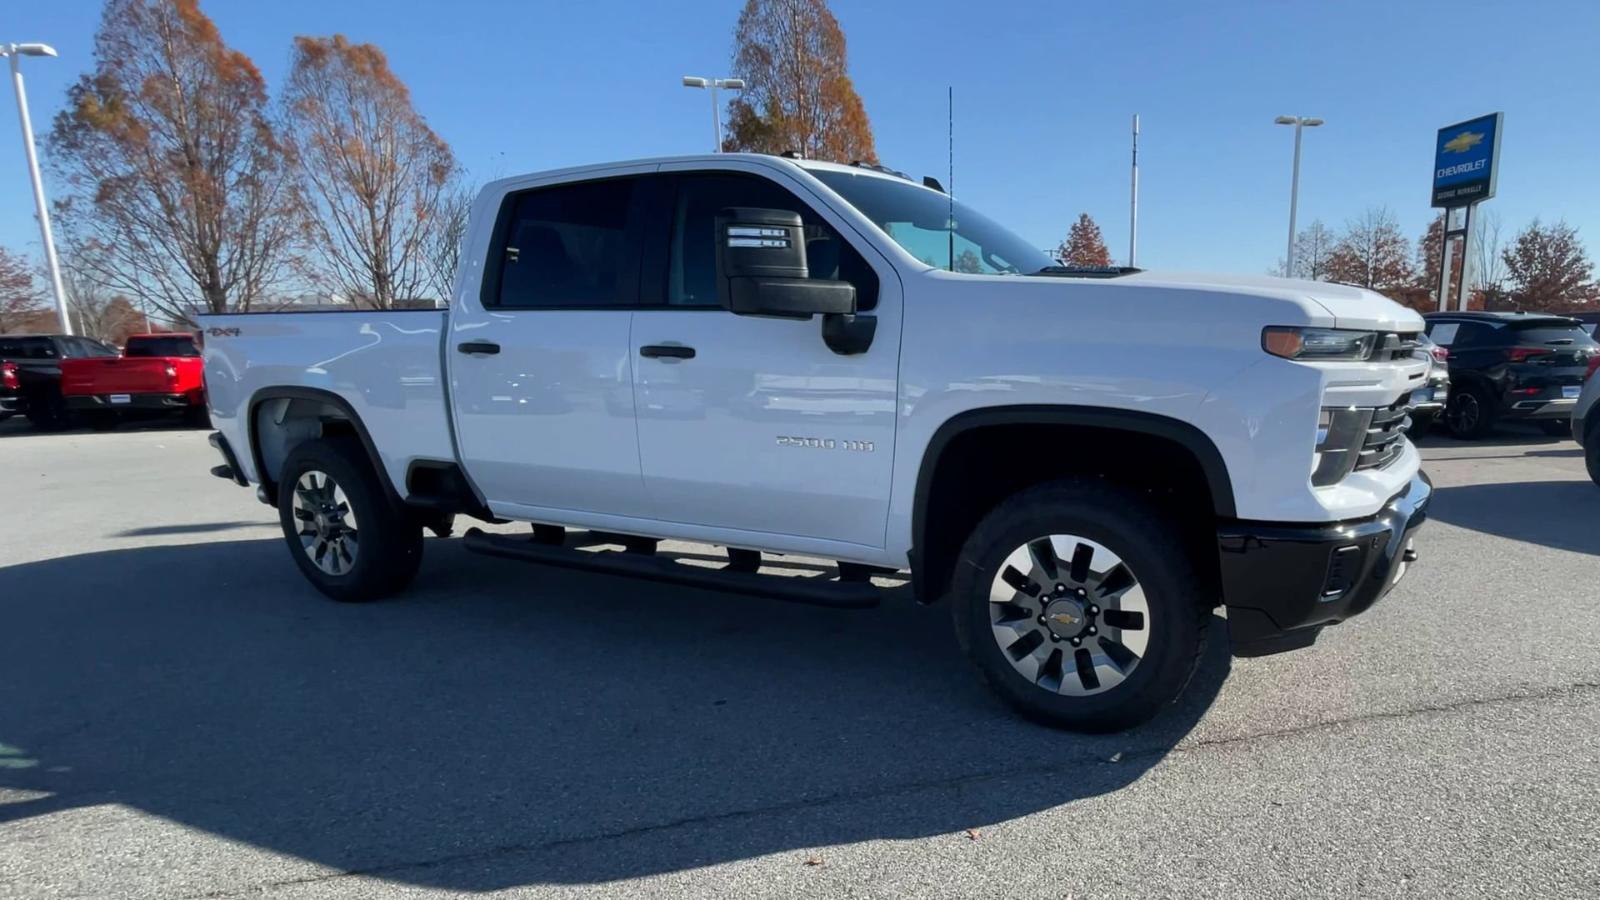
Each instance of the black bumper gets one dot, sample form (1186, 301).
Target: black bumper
(1283, 583)
(140, 402)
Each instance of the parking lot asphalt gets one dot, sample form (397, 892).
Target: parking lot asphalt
(181, 716)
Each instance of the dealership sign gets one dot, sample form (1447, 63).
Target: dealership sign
(1464, 160)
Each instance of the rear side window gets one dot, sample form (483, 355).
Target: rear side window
(27, 348)
(177, 345)
(1443, 333)
(566, 246)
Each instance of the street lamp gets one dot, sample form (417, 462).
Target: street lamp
(712, 84)
(16, 52)
(1299, 122)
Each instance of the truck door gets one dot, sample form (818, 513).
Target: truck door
(540, 375)
(753, 423)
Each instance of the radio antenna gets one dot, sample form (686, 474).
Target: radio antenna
(950, 191)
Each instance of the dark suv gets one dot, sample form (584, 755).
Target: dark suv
(1512, 366)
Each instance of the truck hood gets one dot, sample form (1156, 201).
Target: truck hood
(1349, 306)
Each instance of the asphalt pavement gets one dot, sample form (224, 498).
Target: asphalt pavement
(181, 716)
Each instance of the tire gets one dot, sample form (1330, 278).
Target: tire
(1173, 618)
(1556, 428)
(1469, 413)
(1591, 456)
(1422, 423)
(197, 417)
(47, 412)
(102, 421)
(335, 486)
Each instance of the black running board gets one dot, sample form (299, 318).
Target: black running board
(793, 589)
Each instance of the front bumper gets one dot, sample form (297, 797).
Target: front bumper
(142, 402)
(1284, 582)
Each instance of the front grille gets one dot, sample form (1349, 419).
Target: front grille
(1383, 443)
(1394, 345)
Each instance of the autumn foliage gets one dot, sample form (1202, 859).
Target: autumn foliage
(19, 293)
(172, 166)
(798, 96)
(1084, 246)
(373, 172)
(1548, 268)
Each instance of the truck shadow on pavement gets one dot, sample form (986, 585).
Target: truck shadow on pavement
(1558, 514)
(504, 724)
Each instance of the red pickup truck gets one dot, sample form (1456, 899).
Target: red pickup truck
(156, 374)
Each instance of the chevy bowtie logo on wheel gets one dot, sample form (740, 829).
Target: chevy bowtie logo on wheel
(1064, 619)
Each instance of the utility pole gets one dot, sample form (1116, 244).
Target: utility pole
(16, 52)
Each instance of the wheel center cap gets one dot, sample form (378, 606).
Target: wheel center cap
(1065, 618)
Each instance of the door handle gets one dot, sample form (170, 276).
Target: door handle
(666, 351)
(488, 348)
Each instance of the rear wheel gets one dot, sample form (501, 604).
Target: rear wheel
(47, 411)
(1591, 455)
(1422, 423)
(1469, 413)
(1556, 427)
(345, 534)
(102, 421)
(1080, 606)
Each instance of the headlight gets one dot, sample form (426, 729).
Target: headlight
(1323, 344)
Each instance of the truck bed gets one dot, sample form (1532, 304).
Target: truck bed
(384, 365)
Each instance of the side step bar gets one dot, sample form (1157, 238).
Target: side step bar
(793, 589)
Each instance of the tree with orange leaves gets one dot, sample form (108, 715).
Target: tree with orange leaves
(19, 293)
(173, 169)
(376, 177)
(1084, 246)
(797, 95)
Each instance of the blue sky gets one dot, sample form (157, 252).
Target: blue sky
(1044, 92)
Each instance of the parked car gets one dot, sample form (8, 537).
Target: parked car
(156, 375)
(1428, 401)
(30, 374)
(1507, 366)
(1084, 461)
(1586, 425)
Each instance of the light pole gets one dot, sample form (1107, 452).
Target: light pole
(736, 84)
(16, 52)
(1299, 122)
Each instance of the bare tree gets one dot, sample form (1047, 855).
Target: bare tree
(375, 176)
(1488, 270)
(19, 293)
(174, 172)
(444, 241)
(1311, 250)
(1372, 253)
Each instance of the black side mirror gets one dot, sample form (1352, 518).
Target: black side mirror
(762, 271)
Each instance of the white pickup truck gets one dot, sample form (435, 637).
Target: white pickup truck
(781, 356)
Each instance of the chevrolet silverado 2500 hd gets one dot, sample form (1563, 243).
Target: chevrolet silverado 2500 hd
(779, 355)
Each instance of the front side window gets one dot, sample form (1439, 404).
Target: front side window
(931, 228)
(566, 246)
(692, 260)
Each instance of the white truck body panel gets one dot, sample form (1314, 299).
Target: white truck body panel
(570, 425)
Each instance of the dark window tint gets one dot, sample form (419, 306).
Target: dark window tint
(1545, 333)
(692, 265)
(87, 348)
(177, 345)
(1475, 334)
(27, 348)
(567, 246)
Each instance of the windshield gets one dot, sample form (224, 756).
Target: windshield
(919, 220)
(179, 345)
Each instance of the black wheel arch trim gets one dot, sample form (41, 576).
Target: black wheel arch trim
(1182, 433)
(267, 480)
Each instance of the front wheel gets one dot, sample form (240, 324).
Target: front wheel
(1080, 606)
(343, 531)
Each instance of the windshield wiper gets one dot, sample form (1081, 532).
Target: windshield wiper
(1088, 271)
